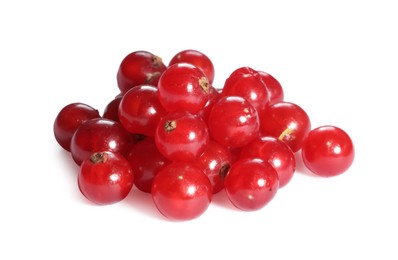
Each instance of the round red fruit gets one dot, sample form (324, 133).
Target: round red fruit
(275, 90)
(328, 151)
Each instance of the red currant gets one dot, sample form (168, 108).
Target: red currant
(183, 88)
(233, 122)
(112, 109)
(140, 110)
(328, 151)
(286, 121)
(181, 191)
(251, 184)
(69, 119)
(105, 178)
(197, 59)
(181, 136)
(99, 134)
(274, 151)
(275, 90)
(137, 68)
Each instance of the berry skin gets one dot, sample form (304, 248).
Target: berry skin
(233, 122)
(286, 121)
(140, 110)
(274, 151)
(251, 184)
(197, 59)
(112, 109)
(181, 137)
(183, 88)
(69, 119)
(275, 90)
(146, 161)
(181, 191)
(328, 151)
(246, 82)
(105, 178)
(99, 134)
(138, 68)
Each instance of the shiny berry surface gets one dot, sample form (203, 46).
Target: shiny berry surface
(286, 121)
(275, 90)
(140, 110)
(99, 135)
(246, 82)
(328, 151)
(111, 111)
(69, 119)
(181, 136)
(137, 68)
(181, 191)
(105, 178)
(233, 122)
(183, 88)
(196, 58)
(251, 184)
(146, 161)
(275, 152)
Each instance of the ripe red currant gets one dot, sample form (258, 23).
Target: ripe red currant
(251, 184)
(99, 134)
(140, 110)
(183, 88)
(181, 136)
(69, 119)
(275, 90)
(328, 151)
(181, 191)
(112, 109)
(286, 121)
(137, 68)
(197, 59)
(105, 178)
(233, 122)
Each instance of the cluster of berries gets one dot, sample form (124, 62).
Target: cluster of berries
(172, 134)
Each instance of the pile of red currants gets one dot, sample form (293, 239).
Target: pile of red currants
(172, 134)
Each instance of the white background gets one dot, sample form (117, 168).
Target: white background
(336, 59)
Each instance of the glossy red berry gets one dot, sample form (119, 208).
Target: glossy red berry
(146, 161)
(181, 136)
(69, 119)
(214, 96)
(286, 121)
(275, 90)
(112, 109)
(233, 122)
(215, 162)
(275, 152)
(99, 134)
(140, 110)
(183, 88)
(197, 59)
(138, 68)
(181, 191)
(246, 82)
(105, 178)
(251, 184)
(328, 151)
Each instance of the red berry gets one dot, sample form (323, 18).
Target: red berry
(197, 59)
(140, 110)
(69, 119)
(215, 162)
(137, 68)
(112, 109)
(274, 151)
(328, 151)
(105, 178)
(251, 184)
(286, 121)
(181, 136)
(181, 191)
(183, 88)
(214, 96)
(275, 90)
(233, 122)
(99, 134)
(146, 161)
(246, 82)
